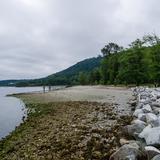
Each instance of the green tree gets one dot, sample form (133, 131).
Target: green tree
(133, 68)
(137, 44)
(156, 65)
(82, 78)
(94, 76)
(111, 48)
(104, 71)
(151, 40)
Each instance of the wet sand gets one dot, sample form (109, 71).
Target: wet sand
(118, 96)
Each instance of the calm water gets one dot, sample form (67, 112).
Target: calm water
(12, 109)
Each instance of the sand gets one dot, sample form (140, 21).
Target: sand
(118, 96)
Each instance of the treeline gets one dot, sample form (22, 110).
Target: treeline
(138, 64)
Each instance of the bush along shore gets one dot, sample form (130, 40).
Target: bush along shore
(142, 139)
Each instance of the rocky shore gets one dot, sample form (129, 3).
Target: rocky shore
(65, 131)
(142, 136)
(73, 130)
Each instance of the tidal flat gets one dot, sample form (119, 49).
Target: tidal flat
(87, 125)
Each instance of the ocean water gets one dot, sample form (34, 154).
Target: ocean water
(12, 109)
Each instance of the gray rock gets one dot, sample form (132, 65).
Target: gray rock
(137, 121)
(153, 99)
(155, 104)
(158, 96)
(135, 129)
(133, 103)
(151, 151)
(156, 123)
(145, 131)
(127, 152)
(137, 112)
(156, 110)
(142, 117)
(156, 157)
(139, 106)
(150, 117)
(147, 108)
(151, 136)
(143, 101)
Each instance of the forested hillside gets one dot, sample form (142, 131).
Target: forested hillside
(138, 64)
(69, 76)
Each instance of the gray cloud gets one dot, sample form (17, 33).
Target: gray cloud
(40, 37)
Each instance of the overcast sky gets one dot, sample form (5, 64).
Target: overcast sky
(40, 37)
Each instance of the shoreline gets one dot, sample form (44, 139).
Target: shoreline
(43, 114)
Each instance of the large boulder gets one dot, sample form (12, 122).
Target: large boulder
(137, 112)
(151, 151)
(135, 128)
(145, 131)
(150, 117)
(156, 157)
(127, 152)
(156, 122)
(142, 117)
(151, 135)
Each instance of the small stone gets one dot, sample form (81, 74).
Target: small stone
(97, 154)
(49, 157)
(155, 104)
(133, 103)
(153, 99)
(147, 108)
(123, 141)
(137, 121)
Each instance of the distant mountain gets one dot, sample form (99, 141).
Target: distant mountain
(7, 82)
(10, 82)
(68, 76)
